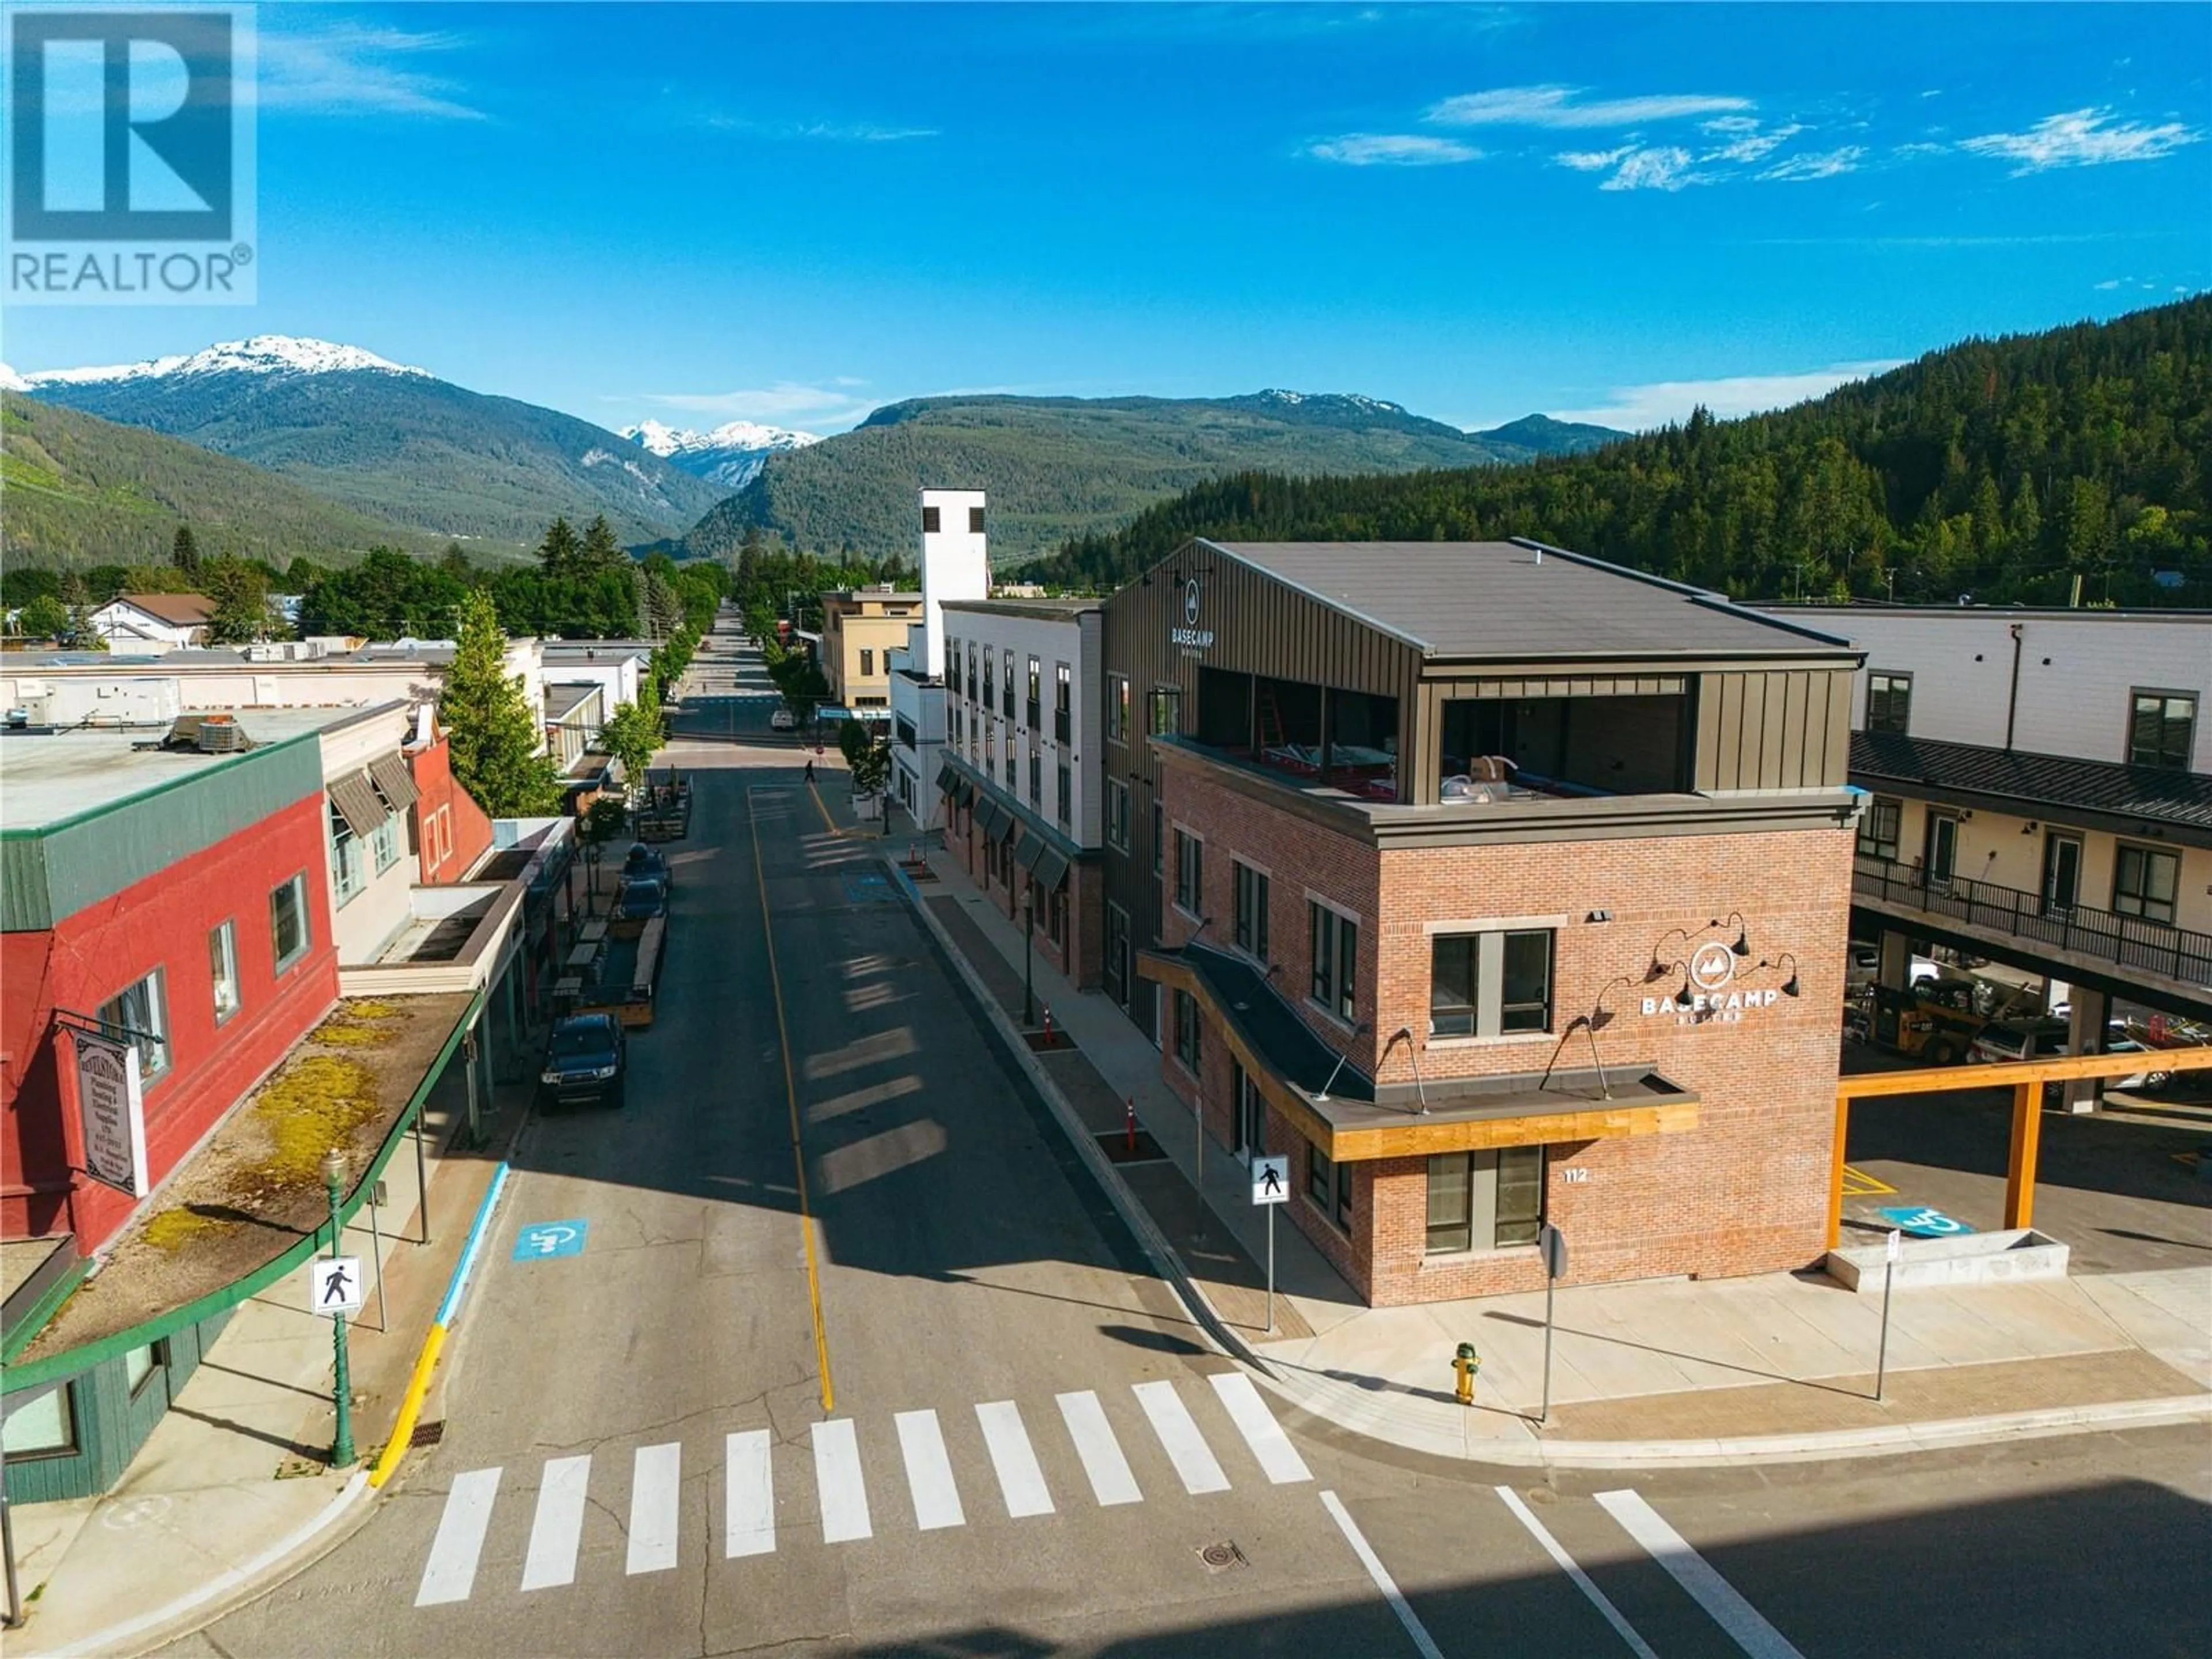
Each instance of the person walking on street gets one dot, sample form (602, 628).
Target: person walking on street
(809, 769)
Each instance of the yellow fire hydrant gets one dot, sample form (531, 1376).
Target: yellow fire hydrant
(1465, 1363)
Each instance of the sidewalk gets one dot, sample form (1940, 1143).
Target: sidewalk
(233, 1486)
(1673, 1370)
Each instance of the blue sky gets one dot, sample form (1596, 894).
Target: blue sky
(699, 213)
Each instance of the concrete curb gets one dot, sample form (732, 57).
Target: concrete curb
(1163, 1258)
(234, 1584)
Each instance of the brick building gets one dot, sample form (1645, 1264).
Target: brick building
(1022, 809)
(1494, 885)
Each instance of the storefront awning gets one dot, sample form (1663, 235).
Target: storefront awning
(1027, 854)
(394, 781)
(994, 819)
(358, 803)
(1052, 867)
(948, 778)
(962, 793)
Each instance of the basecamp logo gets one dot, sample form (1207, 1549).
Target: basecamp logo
(130, 155)
(1190, 635)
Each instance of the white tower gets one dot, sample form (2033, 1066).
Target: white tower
(955, 561)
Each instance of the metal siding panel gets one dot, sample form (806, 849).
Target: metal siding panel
(1837, 767)
(1728, 766)
(1706, 772)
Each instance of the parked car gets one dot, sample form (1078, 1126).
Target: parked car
(646, 862)
(2004, 1040)
(1861, 965)
(584, 1062)
(639, 902)
(782, 721)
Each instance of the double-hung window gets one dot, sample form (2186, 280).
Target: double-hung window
(1493, 984)
(1190, 873)
(1006, 681)
(1328, 1184)
(1186, 1031)
(1484, 1201)
(222, 969)
(2162, 730)
(1889, 702)
(1878, 829)
(1036, 779)
(990, 682)
(141, 1012)
(1034, 712)
(385, 843)
(1064, 799)
(1251, 934)
(1117, 814)
(288, 933)
(2146, 882)
(1166, 710)
(349, 863)
(1063, 703)
(1332, 938)
(1117, 708)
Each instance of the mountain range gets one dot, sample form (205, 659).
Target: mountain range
(1060, 467)
(390, 442)
(730, 455)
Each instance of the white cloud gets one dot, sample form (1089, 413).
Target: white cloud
(1594, 160)
(1730, 124)
(835, 132)
(1663, 167)
(354, 70)
(1557, 107)
(1749, 146)
(2082, 139)
(1400, 149)
(784, 402)
(1640, 408)
(2109, 283)
(1828, 166)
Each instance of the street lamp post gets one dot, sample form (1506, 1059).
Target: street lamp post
(592, 871)
(1028, 937)
(334, 1171)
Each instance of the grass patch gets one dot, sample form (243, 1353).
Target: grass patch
(172, 1229)
(312, 1107)
(350, 1034)
(369, 1008)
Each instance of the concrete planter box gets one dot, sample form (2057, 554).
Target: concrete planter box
(1964, 1259)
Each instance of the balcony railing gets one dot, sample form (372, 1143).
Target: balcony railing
(2154, 947)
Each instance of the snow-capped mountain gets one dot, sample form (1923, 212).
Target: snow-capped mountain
(731, 455)
(11, 381)
(265, 354)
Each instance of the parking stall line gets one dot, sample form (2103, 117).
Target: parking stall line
(1745, 1626)
(1020, 1480)
(1193, 1459)
(451, 1572)
(1110, 1479)
(928, 1472)
(748, 1496)
(655, 1503)
(1567, 1565)
(1278, 1458)
(1424, 1644)
(558, 1527)
(844, 1494)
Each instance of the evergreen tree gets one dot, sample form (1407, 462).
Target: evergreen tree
(560, 553)
(494, 733)
(601, 551)
(185, 554)
(241, 592)
(454, 562)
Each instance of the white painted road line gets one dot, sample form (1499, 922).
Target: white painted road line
(656, 1492)
(558, 1527)
(1278, 1459)
(1019, 1478)
(928, 1472)
(1598, 1600)
(451, 1572)
(837, 1481)
(1695, 1574)
(1422, 1642)
(749, 1497)
(1101, 1453)
(1185, 1447)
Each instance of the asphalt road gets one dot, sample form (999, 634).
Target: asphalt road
(1019, 1446)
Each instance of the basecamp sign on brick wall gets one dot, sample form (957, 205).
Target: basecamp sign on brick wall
(112, 1104)
(1709, 992)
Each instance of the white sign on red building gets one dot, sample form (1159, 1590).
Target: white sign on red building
(112, 1104)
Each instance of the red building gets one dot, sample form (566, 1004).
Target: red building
(452, 832)
(175, 898)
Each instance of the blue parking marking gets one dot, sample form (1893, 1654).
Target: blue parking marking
(1922, 1221)
(867, 887)
(541, 1240)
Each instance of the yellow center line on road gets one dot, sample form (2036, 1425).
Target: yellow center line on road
(791, 1095)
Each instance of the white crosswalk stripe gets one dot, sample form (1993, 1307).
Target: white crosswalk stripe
(562, 1502)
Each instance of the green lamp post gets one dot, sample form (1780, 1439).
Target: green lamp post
(341, 1454)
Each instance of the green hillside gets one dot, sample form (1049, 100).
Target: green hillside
(2005, 469)
(1057, 467)
(78, 490)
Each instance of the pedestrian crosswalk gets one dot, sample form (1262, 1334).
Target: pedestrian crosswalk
(1155, 1421)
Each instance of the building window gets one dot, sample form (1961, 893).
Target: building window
(1190, 873)
(1490, 984)
(1889, 702)
(1328, 1184)
(1117, 814)
(990, 682)
(1251, 909)
(1055, 915)
(140, 1365)
(1186, 1031)
(223, 968)
(867, 661)
(1063, 703)
(288, 922)
(1878, 829)
(141, 1014)
(2145, 882)
(1117, 708)
(1065, 799)
(1166, 710)
(930, 521)
(1036, 712)
(1013, 776)
(1036, 779)
(1159, 839)
(1486, 1201)
(2163, 730)
(972, 675)
(385, 844)
(44, 1427)
(990, 746)
(1334, 939)
(349, 864)
(1007, 684)
(974, 520)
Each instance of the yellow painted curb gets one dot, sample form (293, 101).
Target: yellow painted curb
(411, 1408)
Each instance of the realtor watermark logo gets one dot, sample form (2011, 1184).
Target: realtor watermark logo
(129, 161)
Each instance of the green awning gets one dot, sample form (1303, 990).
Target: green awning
(1051, 868)
(948, 778)
(1026, 854)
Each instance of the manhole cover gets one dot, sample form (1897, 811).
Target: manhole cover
(428, 1434)
(1219, 1556)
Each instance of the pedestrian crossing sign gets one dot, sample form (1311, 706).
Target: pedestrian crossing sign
(334, 1285)
(1271, 1179)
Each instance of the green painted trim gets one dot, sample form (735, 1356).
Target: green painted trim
(71, 1361)
(45, 1309)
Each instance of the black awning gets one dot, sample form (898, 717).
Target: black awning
(1051, 869)
(1029, 851)
(394, 781)
(962, 793)
(358, 803)
(948, 778)
(995, 818)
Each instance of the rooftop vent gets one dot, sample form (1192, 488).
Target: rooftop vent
(208, 734)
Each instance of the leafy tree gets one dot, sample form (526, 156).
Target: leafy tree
(241, 592)
(185, 554)
(387, 595)
(867, 758)
(494, 733)
(801, 683)
(22, 583)
(632, 735)
(302, 574)
(45, 617)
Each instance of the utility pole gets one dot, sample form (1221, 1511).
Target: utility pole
(341, 1454)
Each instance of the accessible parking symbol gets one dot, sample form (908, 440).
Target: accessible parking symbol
(542, 1241)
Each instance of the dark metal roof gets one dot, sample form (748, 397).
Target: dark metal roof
(2151, 794)
(1510, 601)
(1271, 1025)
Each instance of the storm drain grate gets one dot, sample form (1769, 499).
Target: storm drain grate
(428, 1434)
(1220, 1557)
